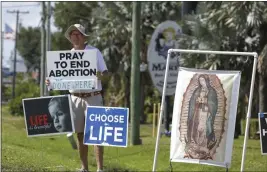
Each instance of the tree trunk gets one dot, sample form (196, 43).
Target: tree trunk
(143, 80)
(39, 75)
(262, 66)
(135, 75)
(262, 93)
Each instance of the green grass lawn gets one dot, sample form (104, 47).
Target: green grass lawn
(20, 153)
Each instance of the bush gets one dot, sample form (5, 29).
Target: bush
(6, 93)
(253, 128)
(149, 118)
(24, 89)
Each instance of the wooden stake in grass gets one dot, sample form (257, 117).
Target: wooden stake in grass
(158, 115)
(154, 119)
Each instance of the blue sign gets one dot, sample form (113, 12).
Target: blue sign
(106, 126)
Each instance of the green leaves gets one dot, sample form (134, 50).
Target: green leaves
(110, 30)
(229, 26)
(29, 46)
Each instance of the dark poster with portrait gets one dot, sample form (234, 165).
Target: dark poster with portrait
(204, 116)
(46, 116)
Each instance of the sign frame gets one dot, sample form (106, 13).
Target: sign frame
(233, 53)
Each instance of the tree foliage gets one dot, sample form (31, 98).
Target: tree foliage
(110, 30)
(231, 26)
(66, 14)
(29, 47)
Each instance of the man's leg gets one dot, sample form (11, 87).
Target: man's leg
(99, 151)
(83, 151)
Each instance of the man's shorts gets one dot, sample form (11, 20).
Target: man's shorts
(79, 106)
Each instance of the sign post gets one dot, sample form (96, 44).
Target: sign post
(263, 132)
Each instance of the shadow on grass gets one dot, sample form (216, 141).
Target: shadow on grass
(121, 156)
(16, 169)
(115, 169)
(5, 168)
(145, 135)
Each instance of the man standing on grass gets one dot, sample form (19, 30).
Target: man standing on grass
(83, 98)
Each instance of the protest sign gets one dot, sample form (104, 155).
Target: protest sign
(46, 116)
(263, 132)
(106, 126)
(166, 36)
(71, 70)
(204, 116)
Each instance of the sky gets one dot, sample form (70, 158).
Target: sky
(33, 19)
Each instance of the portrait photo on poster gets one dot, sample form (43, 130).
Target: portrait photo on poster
(204, 116)
(48, 116)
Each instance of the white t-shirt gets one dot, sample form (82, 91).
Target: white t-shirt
(101, 65)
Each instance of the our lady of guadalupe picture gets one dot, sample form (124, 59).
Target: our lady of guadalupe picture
(202, 114)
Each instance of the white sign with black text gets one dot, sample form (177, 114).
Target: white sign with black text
(263, 132)
(70, 70)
